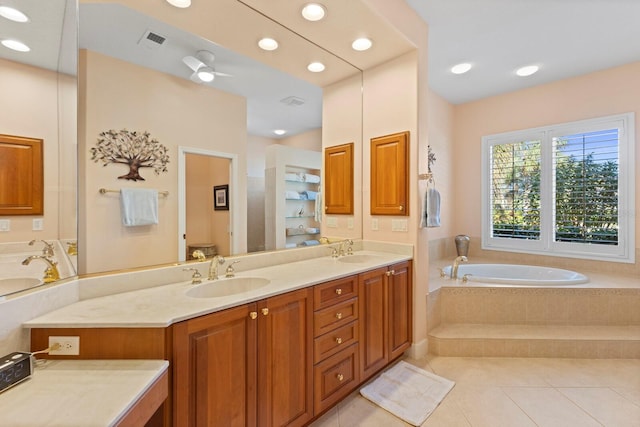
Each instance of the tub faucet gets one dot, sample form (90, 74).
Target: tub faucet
(213, 267)
(456, 263)
(51, 273)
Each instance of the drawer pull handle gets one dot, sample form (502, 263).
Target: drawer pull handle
(339, 291)
(339, 340)
(265, 311)
(338, 316)
(340, 377)
(390, 273)
(253, 315)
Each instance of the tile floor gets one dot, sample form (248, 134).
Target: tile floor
(516, 392)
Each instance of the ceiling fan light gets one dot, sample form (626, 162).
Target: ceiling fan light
(313, 12)
(362, 44)
(268, 44)
(180, 3)
(13, 14)
(527, 71)
(15, 45)
(316, 67)
(206, 74)
(279, 131)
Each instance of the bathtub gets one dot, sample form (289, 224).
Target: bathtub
(518, 275)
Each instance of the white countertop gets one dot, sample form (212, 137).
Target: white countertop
(78, 393)
(162, 306)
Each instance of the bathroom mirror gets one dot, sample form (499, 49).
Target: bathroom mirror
(39, 93)
(130, 83)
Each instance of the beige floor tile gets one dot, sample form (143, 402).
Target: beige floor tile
(356, 411)
(489, 407)
(499, 371)
(547, 407)
(633, 394)
(605, 405)
(447, 414)
(592, 372)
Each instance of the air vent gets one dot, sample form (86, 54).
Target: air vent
(292, 101)
(151, 40)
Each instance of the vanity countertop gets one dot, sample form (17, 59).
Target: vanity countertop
(79, 393)
(162, 306)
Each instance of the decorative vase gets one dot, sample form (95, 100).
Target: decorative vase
(462, 244)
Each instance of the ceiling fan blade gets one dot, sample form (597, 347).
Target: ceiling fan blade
(222, 74)
(192, 62)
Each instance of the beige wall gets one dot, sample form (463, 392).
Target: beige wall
(176, 112)
(29, 105)
(612, 91)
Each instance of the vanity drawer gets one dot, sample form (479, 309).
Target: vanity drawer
(335, 377)
(334, 341)
(335, 316)
(333, 292)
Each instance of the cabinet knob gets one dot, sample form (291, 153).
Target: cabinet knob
(338, 316)
(340, 377)
(339, 291)
(339, 340)
(401, 207)
(253, 315)
(265, 311)
(390, 273)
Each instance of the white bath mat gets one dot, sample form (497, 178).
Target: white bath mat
(408, 392)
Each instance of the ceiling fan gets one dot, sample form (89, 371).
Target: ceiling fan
(202, 66)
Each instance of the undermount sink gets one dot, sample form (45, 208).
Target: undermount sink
(227, 287)
(356, 259)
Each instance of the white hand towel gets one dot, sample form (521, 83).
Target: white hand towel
(423, 188)
(314, 179)
(139, 206)
(433, 208)
(292, 195)
(317, 211)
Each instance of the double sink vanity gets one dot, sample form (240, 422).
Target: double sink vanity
(274, 345)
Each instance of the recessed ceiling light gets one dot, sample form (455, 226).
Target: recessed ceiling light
(16, 45)
(13, 14)
(361, 44)
(461, 68)
(268, 44)
(527, 71)
(180, 3)
(316, 67)
(279, 131)
(313, 12)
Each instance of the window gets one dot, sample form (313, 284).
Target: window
(565, 190)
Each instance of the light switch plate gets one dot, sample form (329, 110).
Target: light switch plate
(350, 223)
(332, 222)
(38, 224)
(374, 224)
(399, 225)
(5, 225)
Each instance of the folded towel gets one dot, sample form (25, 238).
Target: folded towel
(310, 243)
(312, 230)
(314, 179)
(292, 195)
(309, 195)
(433, 208)
(317, 210)
(292, 177)
(139, 206)
(290, 245)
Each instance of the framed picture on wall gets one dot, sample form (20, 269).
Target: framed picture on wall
(221, 197)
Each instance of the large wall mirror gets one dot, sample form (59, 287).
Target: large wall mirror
(38, 101)
(137, 73)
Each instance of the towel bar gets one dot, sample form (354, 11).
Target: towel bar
(104, 191)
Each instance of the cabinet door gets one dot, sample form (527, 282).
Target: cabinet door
(338, 183)
(400, 308)
(215, 369)
(390, 175)
(373, 322)
(285, 362)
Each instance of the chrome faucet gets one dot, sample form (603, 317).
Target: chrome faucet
(213, 267)
(51, 273)
(47, 250)
(456, 263)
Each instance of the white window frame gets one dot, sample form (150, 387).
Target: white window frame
(625, 250)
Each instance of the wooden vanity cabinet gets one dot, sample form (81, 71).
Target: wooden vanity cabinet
(246, 366)
(385, 316)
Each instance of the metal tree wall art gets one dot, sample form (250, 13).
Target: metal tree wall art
(135, 149)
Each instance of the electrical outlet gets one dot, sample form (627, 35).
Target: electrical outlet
(374, 224)
(69, 346)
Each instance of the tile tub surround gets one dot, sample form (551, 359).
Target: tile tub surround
(80, 393)
(515, 392)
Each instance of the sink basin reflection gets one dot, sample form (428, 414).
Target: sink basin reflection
(10, 285)
(358, 258)
(227, 287)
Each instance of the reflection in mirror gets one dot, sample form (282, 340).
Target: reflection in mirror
(138, 71)
(38, 101)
